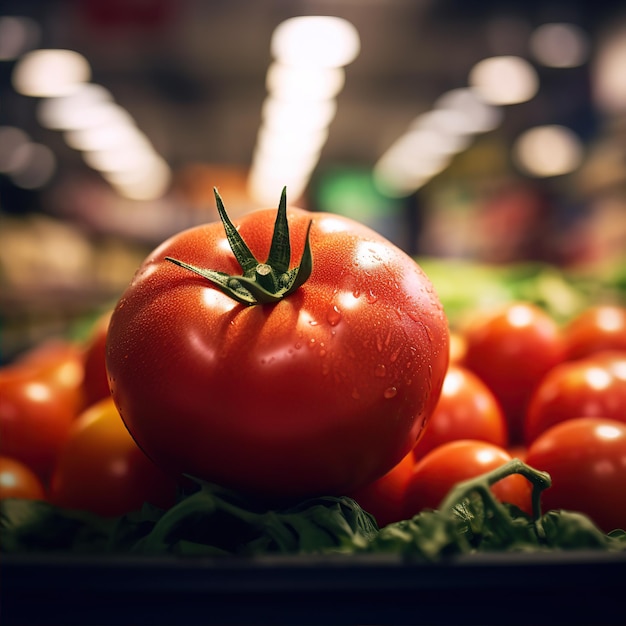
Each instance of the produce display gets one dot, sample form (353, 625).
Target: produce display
(334, 397)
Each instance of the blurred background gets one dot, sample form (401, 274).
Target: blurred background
(487, 139)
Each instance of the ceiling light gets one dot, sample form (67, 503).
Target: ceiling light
(304, 83)
(609, 77)
(316, 40)
(478, 115)
(47, 73)
(504, 80)
(288, 115)
(548, 151)
(17, 35)
(559, 45)
(61, 113)
(11, 140)
(37, 165)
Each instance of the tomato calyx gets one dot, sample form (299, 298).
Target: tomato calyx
(261, 282)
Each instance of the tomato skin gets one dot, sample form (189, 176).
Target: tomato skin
(96, 381)
(596, 329)
(319, 393)
(511, 350)
(594, 386)
(38, 403)
(17, 480)
(101, 469)
(585, 458)
(467, 409)
(436, 473)
(384, 498)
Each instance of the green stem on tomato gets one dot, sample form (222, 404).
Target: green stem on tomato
(481, 485)
(261, 282)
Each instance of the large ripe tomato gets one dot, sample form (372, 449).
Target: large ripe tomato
(17, 480)
(442, 468)
(467, 409)
(101, 469)
(585, 458)
(384, 498)
(320, 390)
(594, 386)
(598, 328)
(40, 396)
(512, 349)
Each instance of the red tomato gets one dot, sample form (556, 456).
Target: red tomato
(467, 409)
(317, 392)
(442, 468)
(511, 350)
(96, 382)
(17, 480)
(384, 498)
(36, 411)
(101, 469)
(585, 458)
(61, 362)
(597, 328)
(458, 346)
(591, 387)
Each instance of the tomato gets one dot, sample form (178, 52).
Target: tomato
(101, 469)
(597, 328)
(320, 389)
(594, 386)
(96, 382)
(384, 498)
(435, 474)
(467, 409)
(61, 362)
(40, 396)
(17, 480)
(458, 346)
(585, 458)
(511, 350)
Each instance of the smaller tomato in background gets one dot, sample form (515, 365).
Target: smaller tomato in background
(384, 498)
(36, 412)
(441, 469)
(17, 480)
(96, 383)
(597, 328)
(585, 458)
(594, 386)
(458, 347)
(467, 409)
(101, 469)
(511, 349)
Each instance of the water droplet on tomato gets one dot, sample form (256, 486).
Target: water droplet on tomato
(355, 394)
(390, 392)
(380, 371)
(371, 297)
(379, 343)
(393, 357)
(334, 316)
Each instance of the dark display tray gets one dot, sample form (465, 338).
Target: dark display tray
(566, 588)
